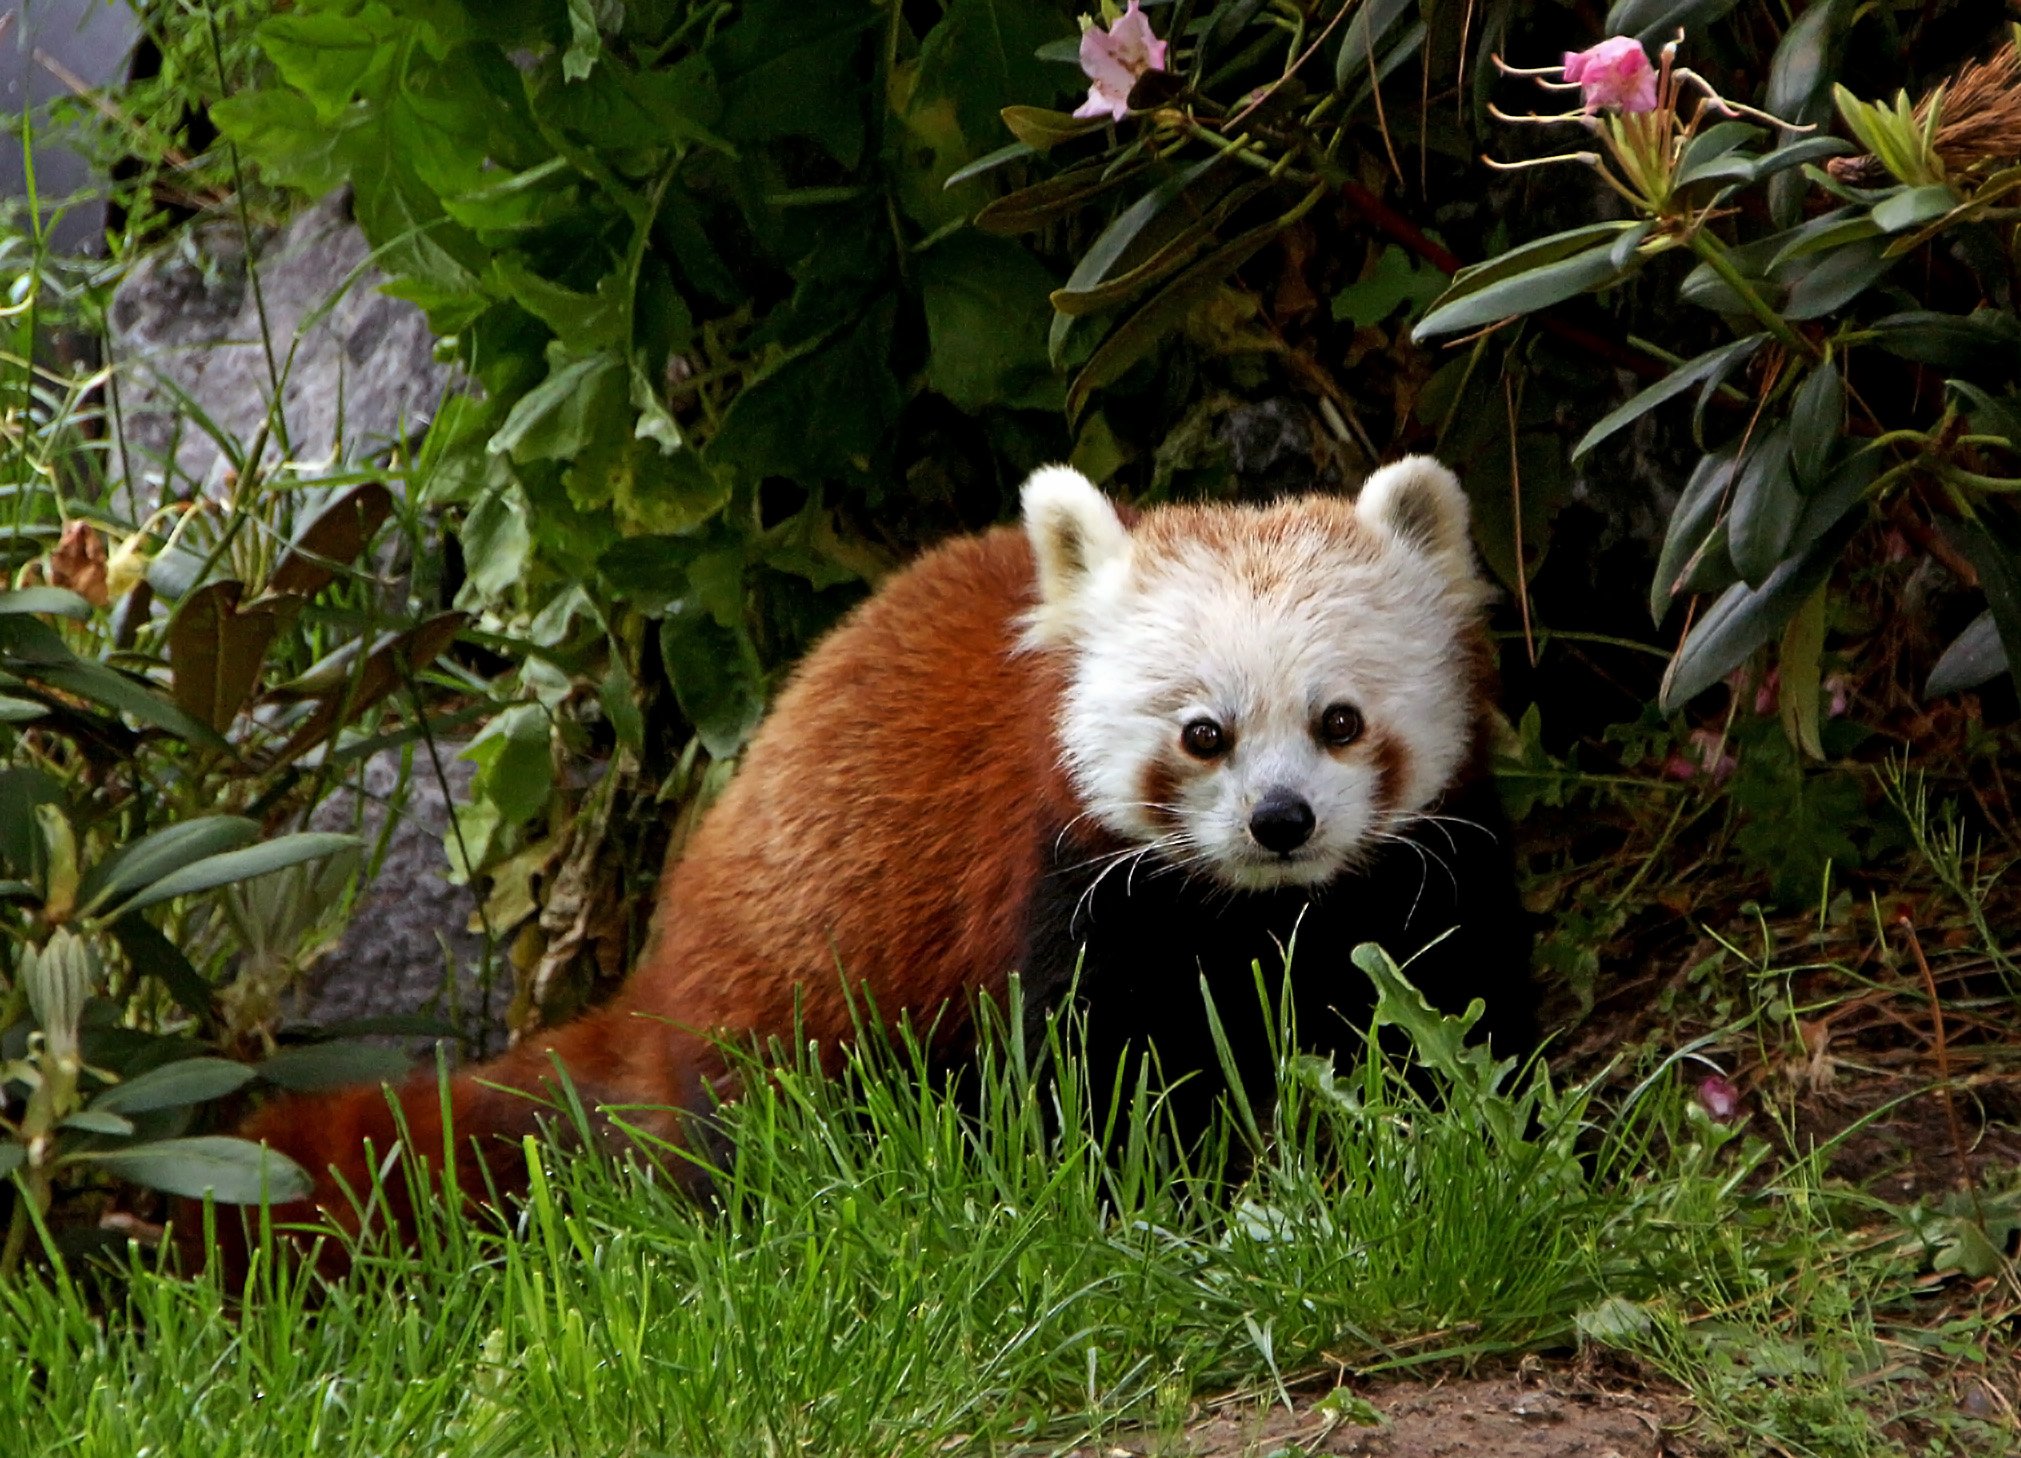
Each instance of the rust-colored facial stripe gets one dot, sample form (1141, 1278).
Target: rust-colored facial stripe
(1159, 789)
(1392, 768)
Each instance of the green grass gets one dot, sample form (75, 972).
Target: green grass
(893, 1270)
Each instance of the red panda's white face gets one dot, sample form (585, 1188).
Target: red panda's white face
(1261, 694)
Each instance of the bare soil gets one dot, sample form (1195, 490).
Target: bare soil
(1534, 1411)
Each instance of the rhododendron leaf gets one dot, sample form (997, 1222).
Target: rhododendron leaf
(1712, 363)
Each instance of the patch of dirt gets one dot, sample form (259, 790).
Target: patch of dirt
(1532, 1412)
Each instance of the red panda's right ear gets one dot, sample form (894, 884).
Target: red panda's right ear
(1075, 536)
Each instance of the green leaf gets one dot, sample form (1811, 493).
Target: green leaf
(1394, 279)
(1655, 21)
(1799, 663)
(295, 146)
(141, 863)
(1710, 152)
(1799, 154)
(58, 601)
(1535, 254)
(98, 1121)
(1031, 208)
(584, 44)
(818, 414)
(584, 323)
(1691, 523)
(1914, 206)
(1364, 36)
(312, 1066)
(1837, 279)
(1983, 345)
(717, 677)
(1803, 64)
(1134, 233)
(515, 759)
(32, 650)
(560, 416)
(1974, 657)
(789, 69)
(22, 789)
(989, 162)
(153, 955)
(1523, 293)
(1992, 545)
(1816, 421)
(231, 1171)
(1765, 506)
(497, 542)
(241, 865)
(1745, 617)
(983, 56)
(20, 711)
(174, 1086)
(1712, 364)
(985, 301)
(327, 57)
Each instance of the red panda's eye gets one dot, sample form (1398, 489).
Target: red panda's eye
(1340, 725)
(1204, 739)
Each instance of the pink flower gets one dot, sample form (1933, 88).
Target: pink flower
(1702, 757)
(1719, 1098)
(1113, 60)
(1615, 74)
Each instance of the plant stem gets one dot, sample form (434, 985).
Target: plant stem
(1707, 248)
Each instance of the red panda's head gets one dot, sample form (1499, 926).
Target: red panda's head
(1261, 693)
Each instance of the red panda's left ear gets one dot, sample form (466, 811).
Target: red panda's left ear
(1075, 535)
(1419, 501)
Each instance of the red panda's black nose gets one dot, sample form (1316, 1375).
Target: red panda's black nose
(1281, 822)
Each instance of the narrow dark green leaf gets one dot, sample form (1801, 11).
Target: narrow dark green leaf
(174, 1086)
(1801, 67)
(1045, 202)
(98, 1121)
(1534, 254)
(1655, 21)
(989, 162)
(1691, 521)
(1992, 544)
(58, 601)
(1765, 506)
(1990, 414)
(231, 1171)
(242, 865)
(327, 1065)
(20, 711)
(1712, 363)
(1836, 279)
(154, 955)
(1744, 619)
(1816, 419)
(1119, 240)
(1524, 293)
(1798, 154)
(1364, 36)
(142, 862)
(1974, 657)
(22, 788)
(1039, 129)
(1984, 345)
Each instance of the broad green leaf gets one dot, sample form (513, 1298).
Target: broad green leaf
(175, 1085)
(311, 1066)
(231, 1171)
(497, 542)
(1711, 364)
(1798, 154)
(584, 43)
(1816, 421)
(1715, 145)
(557, 418)
(717, 677)
(141, 863)
(515, 759)
(1765, 506)
(1802, 65)
(241, 865)
(58, 601)
(982, 55)
(32, 650)
(327, 57)
(1974, 657)
(790, 69)
(1914, 206)
(1523, 293)
(584, 323)
(22, 789)
(985, 302)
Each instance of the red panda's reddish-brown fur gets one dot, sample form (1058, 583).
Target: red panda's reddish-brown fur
(838, 846)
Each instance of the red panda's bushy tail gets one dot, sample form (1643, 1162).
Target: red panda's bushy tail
(343, 1138)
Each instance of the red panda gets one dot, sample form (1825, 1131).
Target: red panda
(1118, 753)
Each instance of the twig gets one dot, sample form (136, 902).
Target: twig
(1943, 1053)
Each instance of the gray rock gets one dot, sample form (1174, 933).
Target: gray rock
(410, 924)
(186, 322)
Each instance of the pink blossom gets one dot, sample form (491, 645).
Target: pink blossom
(1615, 75)
(1719, 1098)
(1113, 60)
(1702, 757)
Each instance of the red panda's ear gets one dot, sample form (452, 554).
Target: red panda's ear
(1419, 501)
(1075, 534)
